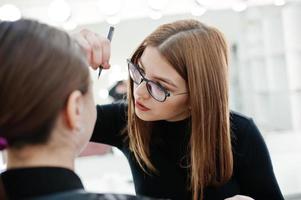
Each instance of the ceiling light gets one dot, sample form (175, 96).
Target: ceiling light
(9, 12)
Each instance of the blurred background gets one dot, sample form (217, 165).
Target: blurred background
(265, 41)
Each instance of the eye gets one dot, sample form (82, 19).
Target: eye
(160, 84)
(163, 85)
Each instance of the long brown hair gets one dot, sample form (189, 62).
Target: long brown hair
(199, 53)
(39, 68)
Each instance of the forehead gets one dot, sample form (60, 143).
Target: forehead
(154, 64)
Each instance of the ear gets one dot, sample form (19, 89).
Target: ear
(73, 109)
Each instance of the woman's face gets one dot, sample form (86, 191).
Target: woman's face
(157, 69)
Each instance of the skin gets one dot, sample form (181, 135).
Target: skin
(70, 134)
(156, 68)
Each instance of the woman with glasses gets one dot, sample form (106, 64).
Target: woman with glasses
(181, 140)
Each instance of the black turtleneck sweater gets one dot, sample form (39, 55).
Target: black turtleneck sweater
(43, 182)
(24, 183)
(252, 175)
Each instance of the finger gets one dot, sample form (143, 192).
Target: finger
(96, 54)
(83, 43)
(106, 53)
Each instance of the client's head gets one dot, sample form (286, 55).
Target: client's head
(46, 102)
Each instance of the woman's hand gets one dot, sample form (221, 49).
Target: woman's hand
(239, 197)
(97, 48)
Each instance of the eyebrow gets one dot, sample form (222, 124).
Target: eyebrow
(159, 78)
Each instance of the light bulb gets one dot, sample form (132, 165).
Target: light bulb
(9, 12)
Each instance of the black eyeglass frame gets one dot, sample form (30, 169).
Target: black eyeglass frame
(147, 81)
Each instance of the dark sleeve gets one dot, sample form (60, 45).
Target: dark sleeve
(110, 122)
(255, 174)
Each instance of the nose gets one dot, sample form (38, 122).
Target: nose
(141, 90)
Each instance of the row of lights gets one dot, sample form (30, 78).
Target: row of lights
(60, 11)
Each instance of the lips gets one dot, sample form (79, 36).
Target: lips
(141, 107)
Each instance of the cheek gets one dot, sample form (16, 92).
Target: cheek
(178, 101)
(163, 109)
(175, 106)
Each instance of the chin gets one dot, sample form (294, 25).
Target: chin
(145, 116)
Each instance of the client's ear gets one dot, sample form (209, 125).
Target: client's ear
(73, 109)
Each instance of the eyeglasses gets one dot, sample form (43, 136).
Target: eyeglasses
(157, 91)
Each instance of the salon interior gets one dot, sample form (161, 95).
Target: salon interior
(265, 69)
